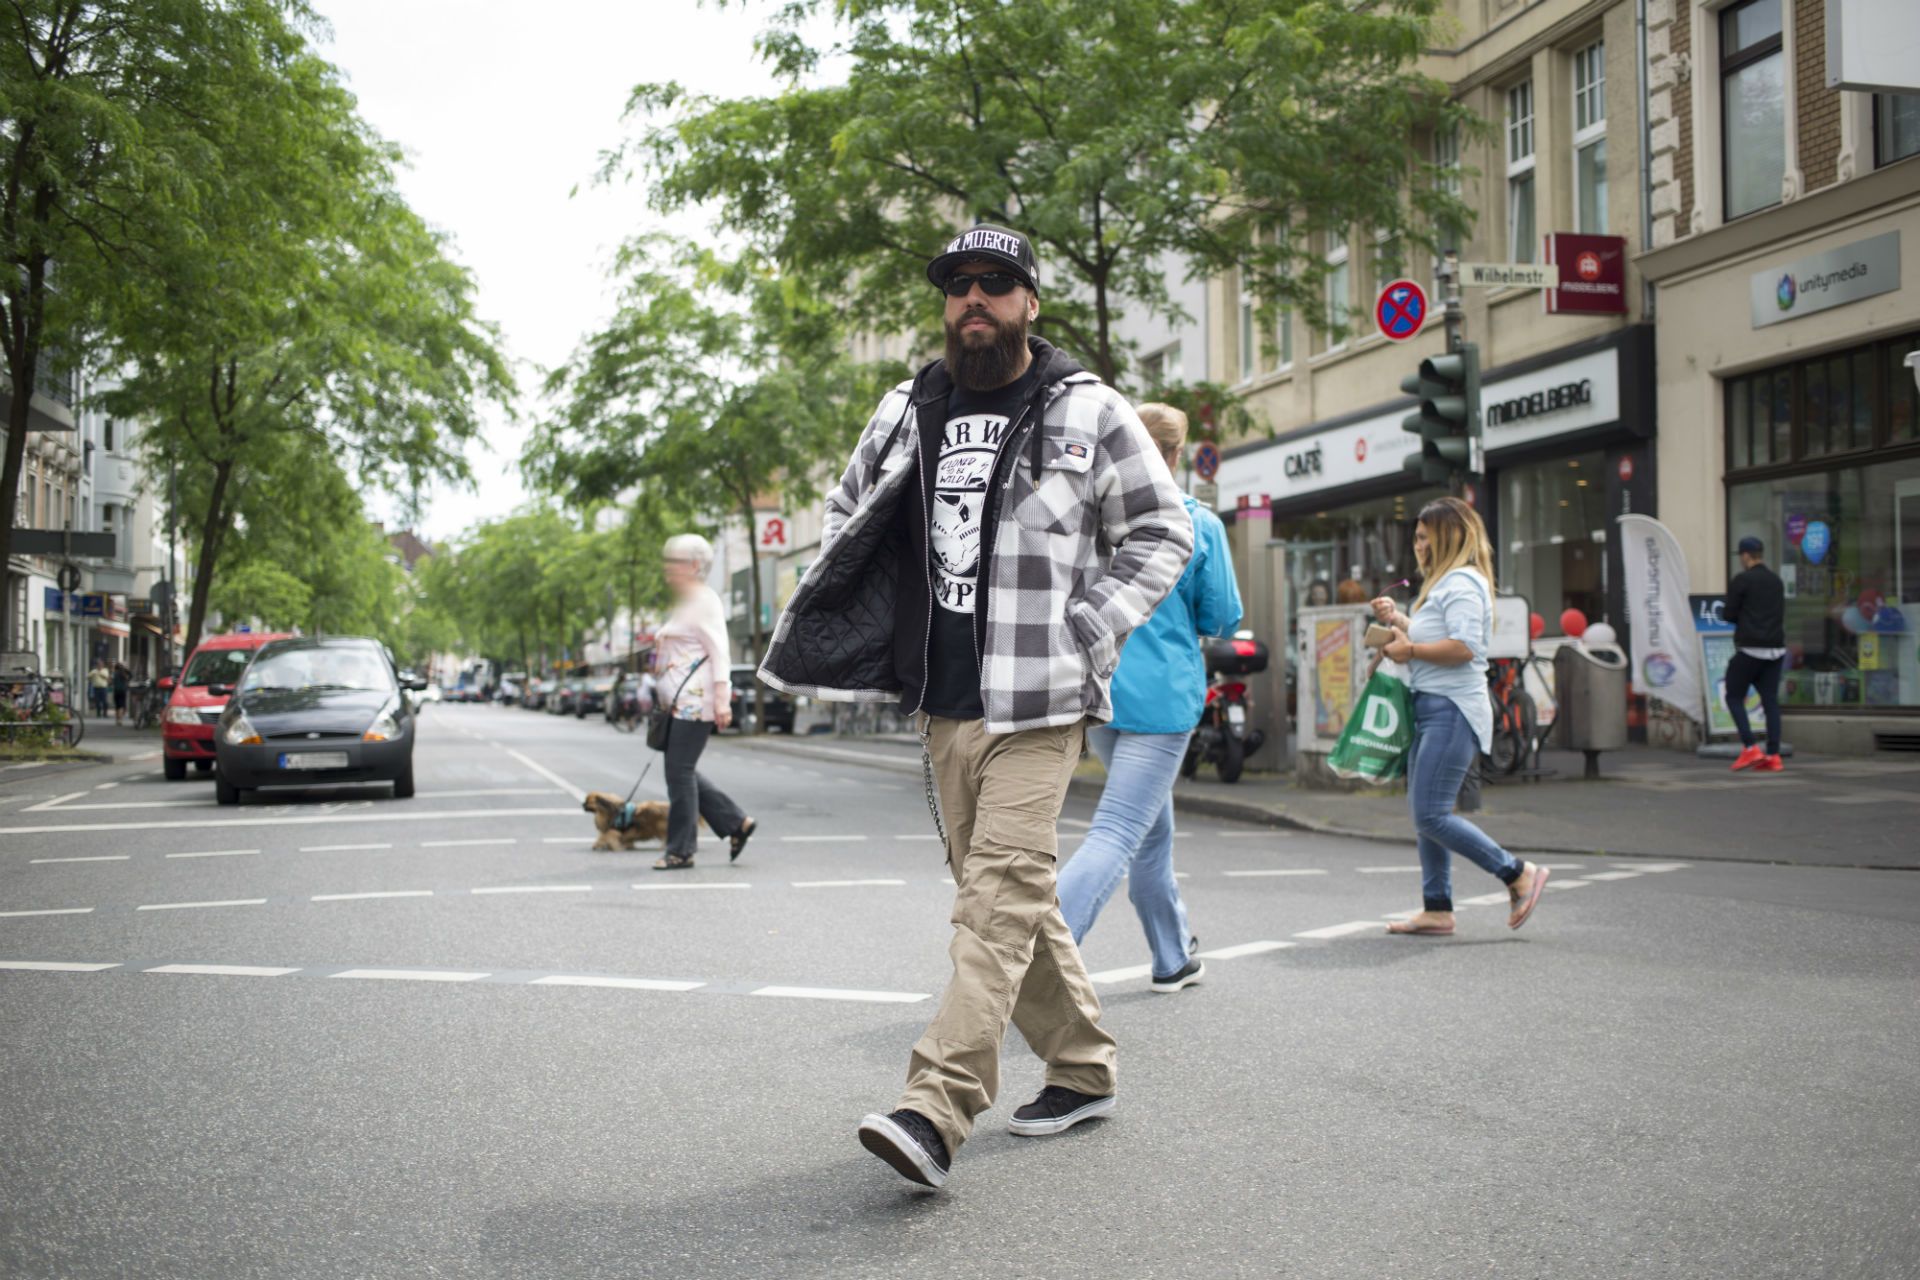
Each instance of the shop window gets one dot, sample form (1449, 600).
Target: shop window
(1902, 403)
(1896, 127)
(1753, 106)
(1553, 530)
(1824, 407)
(1520, 165)
(1590, 139)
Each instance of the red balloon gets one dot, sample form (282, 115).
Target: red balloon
(1536, 625)
(1573, 623)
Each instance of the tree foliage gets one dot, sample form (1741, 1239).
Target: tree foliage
(1120, 137)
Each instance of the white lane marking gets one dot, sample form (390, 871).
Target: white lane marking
(836, 993)
(496, 791)
(544, 772)
(340, 848)
(917, 837)
(565, 840)
(464, 844)
(1657, 867)
(1341, 930)
(535, 888)
(123, 804)
(1564, 866)
(187, 906)
(234, 970)
(217, 853)
(54, 966)
(821, 839)
(409, 975)
(98, 857)
(282, 820)
(841, 884)
(623, 984)
(48, 804)
(1281, 871)
(384, 893)
(1611, 875)
(1487, 899)
(147, 755)
(48, 911)
(1122, 975)
(731, 884)
(1567, 884)
(31, 764)
(1251, 835)
(1381, 871)
(106, 786)
(1243, 949)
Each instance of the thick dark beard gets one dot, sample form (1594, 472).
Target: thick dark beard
(990, 366)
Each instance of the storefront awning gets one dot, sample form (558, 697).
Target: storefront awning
(107, 628)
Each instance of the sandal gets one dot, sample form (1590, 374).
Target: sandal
(1523, 909)
(738, 840)
(1408, 929)
(674, 862)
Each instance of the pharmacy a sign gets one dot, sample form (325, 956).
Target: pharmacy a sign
(1822, 281)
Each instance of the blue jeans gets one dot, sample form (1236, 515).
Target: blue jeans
(1444, 748)
(1132, 836)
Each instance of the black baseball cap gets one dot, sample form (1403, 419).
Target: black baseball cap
(1001, 246)
(1752, 546)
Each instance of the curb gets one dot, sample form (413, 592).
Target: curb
(1248, 811)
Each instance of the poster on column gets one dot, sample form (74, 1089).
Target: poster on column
(1332, 675)
(1716, 651)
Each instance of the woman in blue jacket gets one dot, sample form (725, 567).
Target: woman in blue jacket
(1159, 691)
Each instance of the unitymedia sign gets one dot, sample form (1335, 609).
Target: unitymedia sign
(1831, 279)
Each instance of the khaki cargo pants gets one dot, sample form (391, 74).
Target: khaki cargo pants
(1013, 955)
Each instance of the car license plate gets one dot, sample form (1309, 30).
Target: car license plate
(1236, 715)
(313, 760)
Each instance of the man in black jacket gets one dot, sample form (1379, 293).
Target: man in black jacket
(1757, 608)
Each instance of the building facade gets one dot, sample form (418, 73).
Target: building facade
(1786, 215)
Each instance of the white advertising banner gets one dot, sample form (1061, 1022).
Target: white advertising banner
(1666, 648)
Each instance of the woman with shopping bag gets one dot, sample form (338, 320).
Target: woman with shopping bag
(1444, 645)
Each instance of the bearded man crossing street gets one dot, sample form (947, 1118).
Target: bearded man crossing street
(1004, 523)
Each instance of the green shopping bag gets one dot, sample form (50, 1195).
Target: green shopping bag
(1374, 744)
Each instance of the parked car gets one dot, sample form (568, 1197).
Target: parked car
(593, 695)
(193, 709)
(508, 691)
(535, 698)
(779, 705)
(433, 693)
(561, 698)
(312, 710)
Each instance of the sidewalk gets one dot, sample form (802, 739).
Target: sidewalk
(1827, 811)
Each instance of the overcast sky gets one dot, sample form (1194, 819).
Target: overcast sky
(502, 109)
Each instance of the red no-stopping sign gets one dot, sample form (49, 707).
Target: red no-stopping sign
(1400, 310)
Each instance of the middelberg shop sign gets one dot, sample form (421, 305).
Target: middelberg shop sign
(1820, 281)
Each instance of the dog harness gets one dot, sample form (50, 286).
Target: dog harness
(624, 821)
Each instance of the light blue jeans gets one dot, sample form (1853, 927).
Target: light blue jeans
(1444, 748)
(1132, 837)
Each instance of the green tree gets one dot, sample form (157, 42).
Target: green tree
(722, 384)
(112, 118)
(1118, 136)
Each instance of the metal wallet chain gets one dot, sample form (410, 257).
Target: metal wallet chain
(926, 774)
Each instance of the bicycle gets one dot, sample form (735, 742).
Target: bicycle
(149, 704)
(1518, 734)
(37, 704)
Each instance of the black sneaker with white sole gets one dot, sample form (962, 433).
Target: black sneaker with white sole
(908, 1141)
(1057, 1110)
(1190, 972)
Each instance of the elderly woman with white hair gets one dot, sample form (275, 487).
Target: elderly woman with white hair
(690, 664)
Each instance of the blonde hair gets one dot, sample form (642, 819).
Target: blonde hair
(1168, 427)
(1456, 539)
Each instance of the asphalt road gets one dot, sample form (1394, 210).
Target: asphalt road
(440, 1037)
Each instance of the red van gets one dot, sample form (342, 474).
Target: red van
(192, 709)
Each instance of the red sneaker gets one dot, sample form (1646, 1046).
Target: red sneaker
(1769, 764)
(1748, 758)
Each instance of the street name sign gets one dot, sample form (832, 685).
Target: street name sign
(1508, 275)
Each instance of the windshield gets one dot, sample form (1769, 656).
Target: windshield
(320, 669)
(216, 666)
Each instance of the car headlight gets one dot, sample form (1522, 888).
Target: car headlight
(239, 732)
(385, 726)
(182, 715)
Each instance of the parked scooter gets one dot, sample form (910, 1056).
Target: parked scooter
(1222, 737)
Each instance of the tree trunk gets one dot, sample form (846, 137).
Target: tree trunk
(23, 360)
(213, 531)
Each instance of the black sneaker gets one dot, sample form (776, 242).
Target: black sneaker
(1057, 1110)
(908, 1141)
(1189, 973)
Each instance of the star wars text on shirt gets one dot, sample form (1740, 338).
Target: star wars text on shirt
(968, 448)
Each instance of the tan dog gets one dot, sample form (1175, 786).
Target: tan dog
(649, 821)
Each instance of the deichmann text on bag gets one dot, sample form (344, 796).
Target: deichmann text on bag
(1374, 744)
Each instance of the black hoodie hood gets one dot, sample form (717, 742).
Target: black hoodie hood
(935, 382)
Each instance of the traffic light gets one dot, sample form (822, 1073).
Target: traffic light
(1448, 419)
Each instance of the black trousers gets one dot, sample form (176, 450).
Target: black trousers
(691, 797)
(1744, 672)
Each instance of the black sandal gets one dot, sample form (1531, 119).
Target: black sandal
(738, 840)
(674, 862)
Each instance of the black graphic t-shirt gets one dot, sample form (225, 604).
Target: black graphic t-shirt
(977, 424)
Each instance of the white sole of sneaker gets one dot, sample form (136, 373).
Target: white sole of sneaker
(896, 1146)
(1060, 1124)
(1172, 985)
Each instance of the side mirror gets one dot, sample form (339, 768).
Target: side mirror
(411, 682)
(220, 690)
(166, 684)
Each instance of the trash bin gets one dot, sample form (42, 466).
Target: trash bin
(1590, 686)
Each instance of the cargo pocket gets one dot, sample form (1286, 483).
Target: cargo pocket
(1009, 882)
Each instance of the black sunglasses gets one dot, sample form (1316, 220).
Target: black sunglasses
(996, 284)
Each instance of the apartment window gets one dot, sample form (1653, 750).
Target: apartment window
(1520, 224)
(1753, 106)
(1162, 368)
(1283, 338)
(106, 435)
(1446, 159)
(1248, 345)
(1339, 282)
(1896, 127)
(1590, 139)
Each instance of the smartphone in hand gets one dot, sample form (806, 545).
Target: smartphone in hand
(1379, 637)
